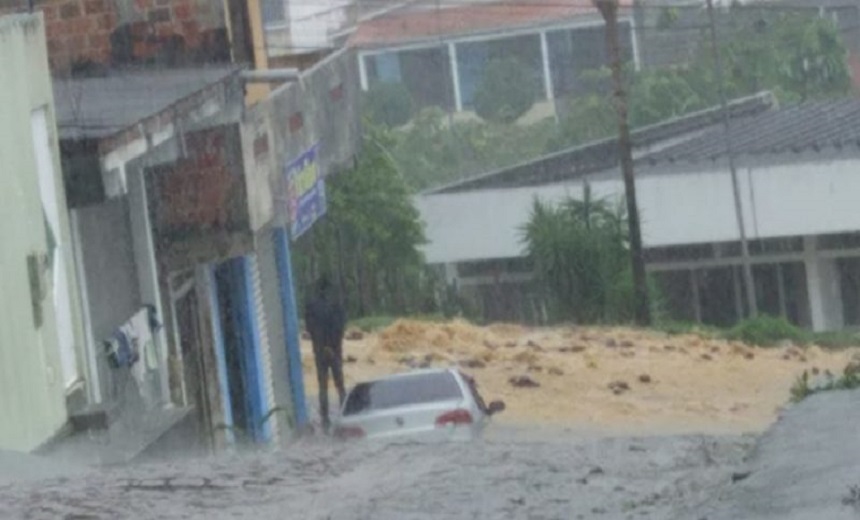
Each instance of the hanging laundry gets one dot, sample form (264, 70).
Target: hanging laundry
(120, 351)
(133, 347)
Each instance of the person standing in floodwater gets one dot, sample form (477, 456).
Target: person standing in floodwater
(325, 320)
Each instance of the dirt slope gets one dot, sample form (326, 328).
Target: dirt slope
(659, 383)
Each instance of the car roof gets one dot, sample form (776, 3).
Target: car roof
(410, 373)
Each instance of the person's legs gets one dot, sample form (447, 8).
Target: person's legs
(337, 372)
(322, 380)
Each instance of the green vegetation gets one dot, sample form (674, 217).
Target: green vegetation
(803, 388)
(388, 104)
(369, 239)
(678, 328)
(579, 252)
(797, 57)
(767, 331)
(506, 92)
(764, 331)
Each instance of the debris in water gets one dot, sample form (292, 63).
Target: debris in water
(523, 382)
(618, 387)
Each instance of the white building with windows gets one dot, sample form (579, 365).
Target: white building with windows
(440, 53)
(797, 168)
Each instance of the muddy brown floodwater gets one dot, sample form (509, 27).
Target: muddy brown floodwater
(671, 384)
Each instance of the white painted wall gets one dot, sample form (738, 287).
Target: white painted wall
(307, 26)
(61, 292)
(685, 206)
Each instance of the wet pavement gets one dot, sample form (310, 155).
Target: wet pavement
(512, 473)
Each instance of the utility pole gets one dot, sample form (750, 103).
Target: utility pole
(730, 152)
(609, 10)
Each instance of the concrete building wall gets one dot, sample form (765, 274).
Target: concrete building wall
(32, 382)
(321, 107)
(106, 244)
(691, 204)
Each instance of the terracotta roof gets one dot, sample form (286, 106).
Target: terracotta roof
(411, 25)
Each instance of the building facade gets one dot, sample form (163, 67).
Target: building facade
(41, 340)
(440, 55)
(796, 200)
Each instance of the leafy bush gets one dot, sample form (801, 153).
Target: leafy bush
(389, 104)
(802, 387)
(581, 260)
(678, 328)
(507, 91)
(766, 331)
(836, 339)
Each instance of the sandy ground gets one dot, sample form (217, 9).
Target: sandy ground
(677, 384)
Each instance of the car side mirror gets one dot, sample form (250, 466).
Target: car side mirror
(496, 407)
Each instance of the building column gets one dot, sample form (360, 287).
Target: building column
(780, 280)
(452, 274)
(697, 301)
(455, 77)
(547, 71)
(362, 72)
(220, 357)
(291, 324)
(823, 288)
(738, 292)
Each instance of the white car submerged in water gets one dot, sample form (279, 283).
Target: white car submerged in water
(431, 404)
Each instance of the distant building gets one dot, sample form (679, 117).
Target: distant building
(300, 33)
(796, 166)
(41, 333)
(439, 54)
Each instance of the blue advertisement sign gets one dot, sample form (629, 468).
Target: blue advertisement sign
(306, 199)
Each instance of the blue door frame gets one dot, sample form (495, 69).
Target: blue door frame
(243, 313)
(280, 236)
(220, 357)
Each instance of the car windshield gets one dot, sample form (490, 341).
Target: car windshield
(402, 391)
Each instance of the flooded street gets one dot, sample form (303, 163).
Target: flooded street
(510, 474)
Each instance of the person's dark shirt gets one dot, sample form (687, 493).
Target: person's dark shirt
(325, 320)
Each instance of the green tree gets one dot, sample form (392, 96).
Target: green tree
(578, 248)
(798, 56)
(388, 104)
(433, 152)
(506, 92)
(793, 56)
(369, 240)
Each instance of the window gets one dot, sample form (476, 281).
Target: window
(426, 73)
(472, 59)
(574, 51)
(273, 12)
(402, 391)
